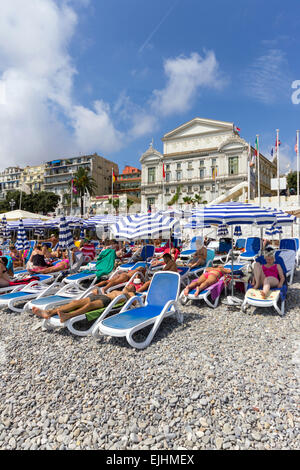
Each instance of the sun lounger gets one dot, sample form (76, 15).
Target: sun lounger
(252, 249)
(24, 293)
(91, 318)
(211, 295)
(146, 254)
(277, 296)
(198, 270)
(160, 302)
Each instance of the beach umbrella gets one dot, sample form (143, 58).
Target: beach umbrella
(237, 231)
(5, 232)
(22, 242)
(145, 226)
(274, 230)
(66, 241)
(81, 231)
(222, 230)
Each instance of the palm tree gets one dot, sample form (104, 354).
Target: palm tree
(115, 203)
(197, 198)
(175, 197)
(187, 200)
(81, 183)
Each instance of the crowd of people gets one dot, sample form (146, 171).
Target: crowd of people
(46, 257)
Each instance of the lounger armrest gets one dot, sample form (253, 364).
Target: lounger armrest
(111, 306)
(130, 301)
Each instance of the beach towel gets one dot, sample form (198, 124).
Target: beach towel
(24, 281)
(93, 315)
(105, 262)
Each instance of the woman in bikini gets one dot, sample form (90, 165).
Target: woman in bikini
(208, 278)
(267, 275)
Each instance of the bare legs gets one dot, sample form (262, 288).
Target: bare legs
(260, 280)
(70, 310)
(200, 284)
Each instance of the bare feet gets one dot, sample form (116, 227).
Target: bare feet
(197, 291)
(41, 313)
(186, 291)
(62, 316)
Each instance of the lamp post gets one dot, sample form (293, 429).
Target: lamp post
(12, 204)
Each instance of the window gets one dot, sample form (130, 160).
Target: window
(190, 165)
(151, 175)
(168, 166)
(178, 166)
(233, 165)
(201, 163)
(150, 201)
(178, 175)
(202, 173)
(168, 176)
(167, 190)
(190, 189)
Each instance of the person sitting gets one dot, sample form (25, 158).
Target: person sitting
(208, 278)
(119, 278)
(15, 256)
(169, 265)
(94, 301)
(38, 264)
(4, 276)
(267, 275)
(89, 251)
(199, 258)
(52, 239)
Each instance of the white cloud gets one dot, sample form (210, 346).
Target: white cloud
(185, 77)
(268, 78)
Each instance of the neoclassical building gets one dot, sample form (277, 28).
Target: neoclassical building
(204, 157)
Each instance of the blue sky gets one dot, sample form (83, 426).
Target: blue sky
(84, 76)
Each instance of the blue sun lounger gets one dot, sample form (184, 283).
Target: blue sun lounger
(146, 253)
(160, 302)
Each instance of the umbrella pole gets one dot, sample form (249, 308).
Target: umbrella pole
(232, 260)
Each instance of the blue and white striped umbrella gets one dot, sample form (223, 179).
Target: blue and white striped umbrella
(282, 217)
(5, 232)
(237, 231)
(274, 230)
(39, 231)
(235, 213)
(66, 241)
(222, 230)
(81, 231)
(144, 226)
(22, 242)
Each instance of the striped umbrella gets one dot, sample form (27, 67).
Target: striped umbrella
(274, 230)
(66, 241)
(222, 230)
(144, 226)
(235, 213)
(22, 243)
(237, 231)
(5, 232)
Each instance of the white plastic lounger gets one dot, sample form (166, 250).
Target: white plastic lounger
(203, 295)
(24, 293)
(79, 278)
(54, 322)
(62, 296)
(160, 302)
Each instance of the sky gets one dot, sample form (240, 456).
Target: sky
(85, 76)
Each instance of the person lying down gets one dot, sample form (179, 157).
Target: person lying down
(94, 301)
(208, 278)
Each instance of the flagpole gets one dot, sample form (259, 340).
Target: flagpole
(298, 169)
(249, 172)
(112, 191)
(258, 171)
(163, 188)
(278, 166)
(21, 199)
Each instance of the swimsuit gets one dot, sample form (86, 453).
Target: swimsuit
(214, 272)
(271, 271)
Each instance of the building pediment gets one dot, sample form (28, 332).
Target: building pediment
(232, 144)
(199, 126)
(151, 155)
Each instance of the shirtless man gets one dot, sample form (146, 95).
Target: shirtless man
(78, 307)
(170, 265)
(120, 277)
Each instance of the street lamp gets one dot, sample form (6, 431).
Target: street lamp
(12, 204)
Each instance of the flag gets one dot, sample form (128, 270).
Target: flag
(113, 176)
(272, 152)
(164, 173)
(214, 174)
(237, 129)
(277, 143)
(256, 147)
(74, 189)
(296, 147)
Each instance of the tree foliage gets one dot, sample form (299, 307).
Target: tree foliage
(40, 202)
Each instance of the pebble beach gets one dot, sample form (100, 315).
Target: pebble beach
(221, 380)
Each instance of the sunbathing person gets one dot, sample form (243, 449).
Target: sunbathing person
(199, 258)
(4, 277)
(78, 307)
(267, 275)
(208, 278)
(16, 257)
(120, 277)
(169, 265)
